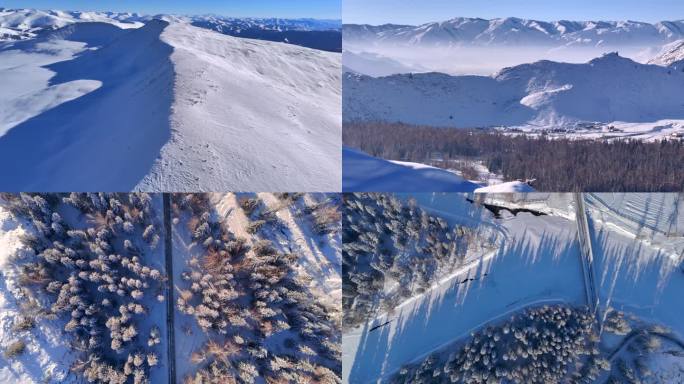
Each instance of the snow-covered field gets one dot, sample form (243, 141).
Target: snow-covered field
(165, 106)
(637, 242)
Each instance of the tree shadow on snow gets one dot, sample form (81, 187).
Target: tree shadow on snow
(108, 139)
(448, 314)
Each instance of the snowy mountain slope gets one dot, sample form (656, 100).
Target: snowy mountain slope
(312, 33)
(107, 139)
(173, 107)
(541, 94)
(362, 172)
(269, 113)
(672, 55)
(515, 31)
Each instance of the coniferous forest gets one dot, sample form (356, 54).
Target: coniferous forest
(556, 165)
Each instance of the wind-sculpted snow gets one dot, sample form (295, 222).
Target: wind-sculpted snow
(106, 139)
(167, 106)
(539, 95)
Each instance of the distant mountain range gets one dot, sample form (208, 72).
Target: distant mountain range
(17, 24)
(514, 31)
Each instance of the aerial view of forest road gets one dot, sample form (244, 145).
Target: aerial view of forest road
(151, 288)
(513, 288)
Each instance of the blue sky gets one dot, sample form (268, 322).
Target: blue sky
(421, 11)
(321, 9)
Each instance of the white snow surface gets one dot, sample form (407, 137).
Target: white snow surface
(167, 106)
(545, 95)
(506, 187)
(362, 172)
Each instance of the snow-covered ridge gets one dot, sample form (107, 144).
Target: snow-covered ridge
(543, 94)
(516, 31)
(167, 106)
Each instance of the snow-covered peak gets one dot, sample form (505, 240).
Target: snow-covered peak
(672, 55)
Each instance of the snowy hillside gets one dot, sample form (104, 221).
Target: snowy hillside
(362, 172)
(610, 89)
(671, 56)
(167, 106)
(515, 31)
